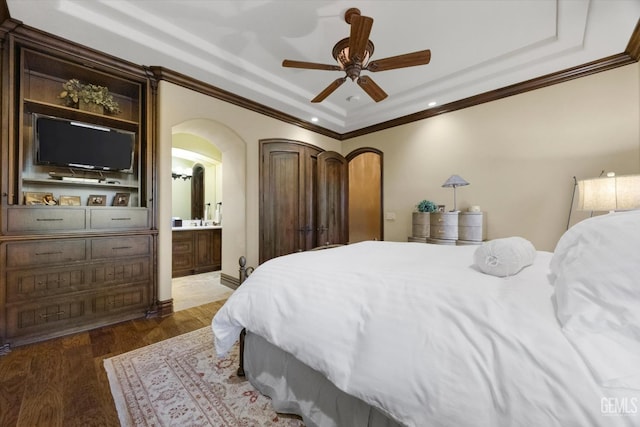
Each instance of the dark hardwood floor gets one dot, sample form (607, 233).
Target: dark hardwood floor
(62, 382)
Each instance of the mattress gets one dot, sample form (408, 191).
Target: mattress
(420, 334)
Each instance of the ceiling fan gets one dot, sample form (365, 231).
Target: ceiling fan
(353, 55)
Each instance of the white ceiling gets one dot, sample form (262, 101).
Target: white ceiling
(238, 45)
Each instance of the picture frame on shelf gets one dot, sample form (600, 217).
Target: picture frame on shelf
(121, 199)
(69, 200)
(39, 198)
(97, 200)
(441, 208)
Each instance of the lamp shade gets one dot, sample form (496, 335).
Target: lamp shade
(609, 193)
(455, 181)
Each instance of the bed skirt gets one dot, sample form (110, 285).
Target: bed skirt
(294, 388)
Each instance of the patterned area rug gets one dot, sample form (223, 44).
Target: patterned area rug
(181, 382)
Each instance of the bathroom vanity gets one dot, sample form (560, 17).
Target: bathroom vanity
(196, 249)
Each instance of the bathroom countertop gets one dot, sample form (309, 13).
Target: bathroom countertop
(196, 227)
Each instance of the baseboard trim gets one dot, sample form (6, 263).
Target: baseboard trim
(229, 281)
(165, 308)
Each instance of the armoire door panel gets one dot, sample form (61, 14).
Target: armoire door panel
(332, 199)
(303, 198)
(288, 213)
(286, 187)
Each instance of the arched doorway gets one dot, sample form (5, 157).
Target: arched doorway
(365, 195)
(233, 185)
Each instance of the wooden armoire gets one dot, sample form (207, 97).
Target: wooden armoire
(303, 198)
(77, 241)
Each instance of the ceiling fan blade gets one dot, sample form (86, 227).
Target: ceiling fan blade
(401, 61)
(309, 65)
(360, 30)
(329, 89)
(373, 90)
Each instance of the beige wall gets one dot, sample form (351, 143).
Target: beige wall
(236, 132)
(519, 154)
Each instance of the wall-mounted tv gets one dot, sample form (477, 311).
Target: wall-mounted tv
(62, 142)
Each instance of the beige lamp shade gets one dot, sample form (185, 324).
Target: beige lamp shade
(455, 181)
(613, 193)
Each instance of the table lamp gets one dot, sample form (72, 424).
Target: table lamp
(455, 181)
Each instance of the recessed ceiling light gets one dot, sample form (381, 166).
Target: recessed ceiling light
(314, 119)
(433, 104)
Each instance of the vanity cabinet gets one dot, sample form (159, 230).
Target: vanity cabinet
(77, 244)
(196, 251)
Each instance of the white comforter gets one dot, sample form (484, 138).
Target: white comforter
(419, 332)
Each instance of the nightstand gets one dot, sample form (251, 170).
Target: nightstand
(444, 228)
(472, 228)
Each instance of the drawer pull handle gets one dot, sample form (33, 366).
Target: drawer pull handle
(121, 247)
(45, 316)
(49, 253)
(49, 219)
(120, 219)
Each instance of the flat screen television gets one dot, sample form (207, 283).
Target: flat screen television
(62, 142)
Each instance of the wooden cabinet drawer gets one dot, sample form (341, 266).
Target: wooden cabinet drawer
(134, 270)
(470, 233)
(119, 218)
(120, 247)
(472, 226)
(444, 225)
(68, 313)
(44, 316)
(27, 284)
(444, 232)
(45, 219)
(444, 218)
(45, 252)
(120, 300)
(470, 219)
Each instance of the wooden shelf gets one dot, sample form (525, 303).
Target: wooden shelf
(61, 111)
(59, 182)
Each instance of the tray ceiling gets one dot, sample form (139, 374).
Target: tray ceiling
(238, 46)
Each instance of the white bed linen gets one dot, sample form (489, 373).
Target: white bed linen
(417, 331)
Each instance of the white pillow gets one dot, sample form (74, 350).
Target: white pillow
(504, 257)
(596, 273)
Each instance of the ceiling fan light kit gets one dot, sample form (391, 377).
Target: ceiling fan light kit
(353, 55)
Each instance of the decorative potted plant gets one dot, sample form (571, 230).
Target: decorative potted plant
(421, 218)
(88, 97)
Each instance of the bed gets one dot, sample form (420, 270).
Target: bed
(412, 334)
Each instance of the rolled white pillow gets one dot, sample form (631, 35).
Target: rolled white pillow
(504, 257)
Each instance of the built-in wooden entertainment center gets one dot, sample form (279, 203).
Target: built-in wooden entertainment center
(77, 246)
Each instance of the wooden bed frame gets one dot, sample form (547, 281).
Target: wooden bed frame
(244, 272)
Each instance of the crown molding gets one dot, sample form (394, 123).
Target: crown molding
(162, 73)
(630, 55)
